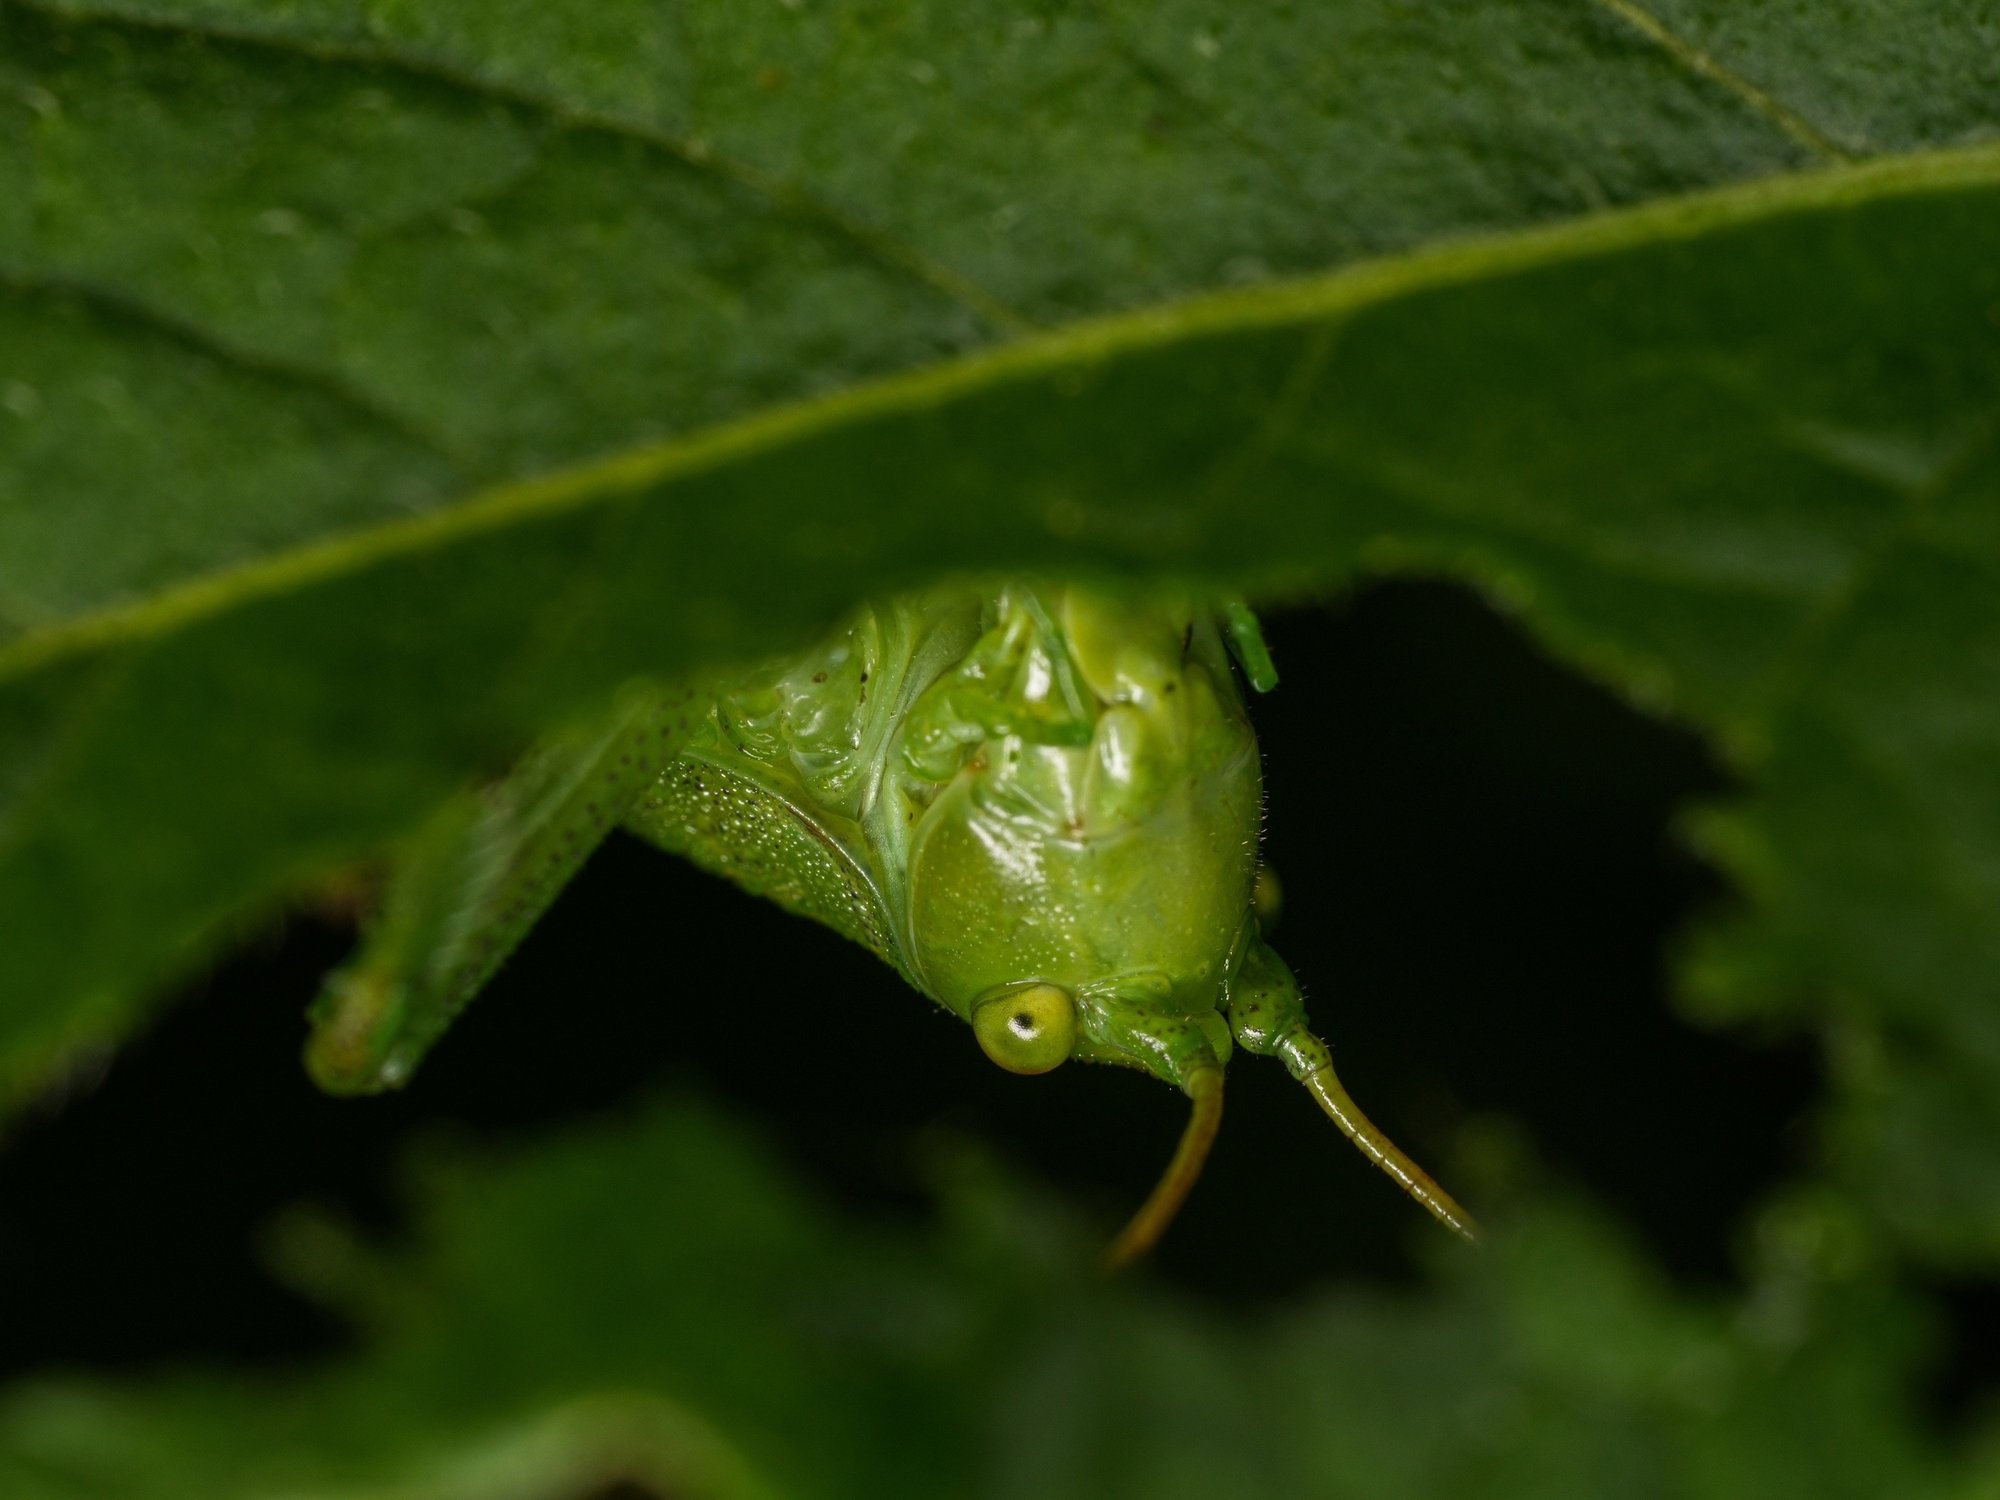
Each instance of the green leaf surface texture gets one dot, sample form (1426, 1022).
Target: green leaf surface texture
(382, 384)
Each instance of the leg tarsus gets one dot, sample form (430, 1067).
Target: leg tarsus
(1246, 644)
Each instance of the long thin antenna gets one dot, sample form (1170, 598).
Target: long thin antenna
(1385, 1153)
(1170, 1192)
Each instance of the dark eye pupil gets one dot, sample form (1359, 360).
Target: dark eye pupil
(1024, 1025)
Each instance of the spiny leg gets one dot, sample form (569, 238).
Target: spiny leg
(468, 886)
(1268, 1016)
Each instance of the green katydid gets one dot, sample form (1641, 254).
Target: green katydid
(1039, 805)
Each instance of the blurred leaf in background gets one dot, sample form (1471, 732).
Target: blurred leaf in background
(649, 1300)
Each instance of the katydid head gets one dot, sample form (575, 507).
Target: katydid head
(1082, 877)
(1086, 790)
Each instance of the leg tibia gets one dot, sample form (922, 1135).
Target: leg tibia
(468, 886)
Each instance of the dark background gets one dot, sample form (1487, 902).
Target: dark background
(1483, 885)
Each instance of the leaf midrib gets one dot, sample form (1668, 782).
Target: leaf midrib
(1341, 292)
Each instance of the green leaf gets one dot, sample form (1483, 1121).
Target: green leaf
(651, 1300)
(414, 248)
(384, 385)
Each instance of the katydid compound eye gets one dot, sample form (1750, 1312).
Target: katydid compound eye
(1028, 1030)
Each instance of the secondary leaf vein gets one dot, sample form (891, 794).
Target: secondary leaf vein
(121, 307)
(1793, 675)
(698, 155)
(1705, 65)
